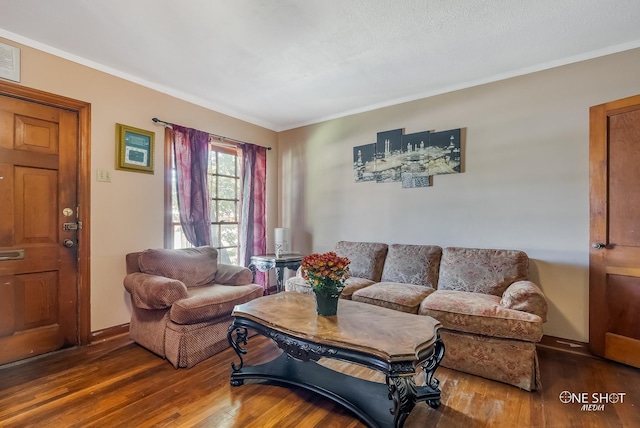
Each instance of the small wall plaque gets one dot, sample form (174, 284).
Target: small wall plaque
(9, 62)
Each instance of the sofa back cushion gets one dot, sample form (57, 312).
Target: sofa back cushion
(132, 262)
(192, 266)
(487, 271)
(367, 258)
(412, 264)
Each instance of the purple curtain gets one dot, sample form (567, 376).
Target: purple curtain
(191, 151)
(253, 228)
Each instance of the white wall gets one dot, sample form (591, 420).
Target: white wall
(525, 183)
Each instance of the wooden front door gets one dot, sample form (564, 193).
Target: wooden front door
(39, 220)
(614, 262)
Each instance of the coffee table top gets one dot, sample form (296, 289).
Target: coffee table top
(391, 335)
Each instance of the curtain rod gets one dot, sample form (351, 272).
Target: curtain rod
(169, 124)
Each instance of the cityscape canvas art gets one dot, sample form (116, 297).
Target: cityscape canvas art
(411, 159)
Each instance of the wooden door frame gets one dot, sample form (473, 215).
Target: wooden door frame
(83, 109)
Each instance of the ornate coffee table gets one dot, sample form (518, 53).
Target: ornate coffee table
(392, 342)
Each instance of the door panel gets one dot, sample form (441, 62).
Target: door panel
(624, 159)
(614, 271)
(624, 292)
(38, 275)
(35, 209)
(6, 201)
(35, 135)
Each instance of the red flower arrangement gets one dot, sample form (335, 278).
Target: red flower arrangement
(326, 272)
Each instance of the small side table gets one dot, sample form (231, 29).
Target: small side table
(266, 262)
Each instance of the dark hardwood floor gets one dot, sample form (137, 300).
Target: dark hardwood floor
(116, 383)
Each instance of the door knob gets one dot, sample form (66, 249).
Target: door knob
(67, 243)
(598, 245)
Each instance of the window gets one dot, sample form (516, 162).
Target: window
(224, 188)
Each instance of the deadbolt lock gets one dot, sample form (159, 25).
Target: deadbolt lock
(72, 226)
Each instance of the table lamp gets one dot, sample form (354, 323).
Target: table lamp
(281, 240)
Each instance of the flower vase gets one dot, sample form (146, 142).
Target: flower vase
(327, 304)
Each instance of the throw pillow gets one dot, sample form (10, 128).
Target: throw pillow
(192, 266)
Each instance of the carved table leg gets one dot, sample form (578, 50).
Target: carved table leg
(402, 390)
(429, 367)
(240, 338)
(279, 278)
(252, 268)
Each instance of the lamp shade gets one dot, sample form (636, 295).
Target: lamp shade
(281, 238)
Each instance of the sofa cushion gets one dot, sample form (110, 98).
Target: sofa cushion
(233, 275)
(212, 301)
(481, 314)
(367, 258)
(485, 271)
(412, 264)
(192, 266)
(394, 295)
(351, 285)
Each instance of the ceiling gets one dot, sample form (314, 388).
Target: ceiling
(282, 64)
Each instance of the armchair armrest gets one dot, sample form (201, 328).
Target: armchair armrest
(153, 291)
(233, 275)
(525, 296)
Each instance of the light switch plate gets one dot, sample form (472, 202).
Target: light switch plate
(104, 175)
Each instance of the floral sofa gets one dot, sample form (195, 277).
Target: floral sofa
(491, 314)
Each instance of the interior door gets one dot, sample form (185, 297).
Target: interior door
(38, 228)
(614, 263)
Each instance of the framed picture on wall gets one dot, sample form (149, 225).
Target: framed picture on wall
(9, 62)
(134, 149)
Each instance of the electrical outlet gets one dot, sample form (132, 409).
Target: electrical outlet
(103, 175)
